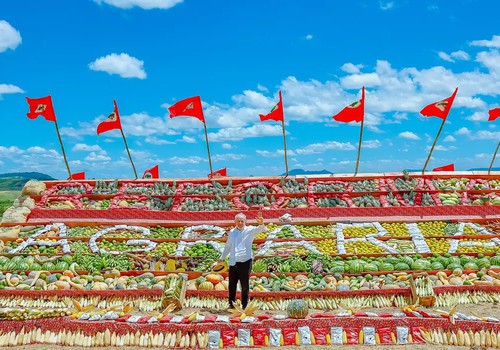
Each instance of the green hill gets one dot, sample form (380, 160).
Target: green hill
(16, 181)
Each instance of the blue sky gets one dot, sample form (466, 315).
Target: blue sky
(236, 55)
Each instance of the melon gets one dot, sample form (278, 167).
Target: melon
(297, 309)
(402, 266)
(355, 267)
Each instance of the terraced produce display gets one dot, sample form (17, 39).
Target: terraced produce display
(123, 281)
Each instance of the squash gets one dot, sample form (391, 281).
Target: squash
(225, 284)
(297, 309)
(213, 278)
(219, 286)
(191, 285)
(206, 286)
(68, 273)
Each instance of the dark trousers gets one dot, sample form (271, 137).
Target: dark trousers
(239, 272)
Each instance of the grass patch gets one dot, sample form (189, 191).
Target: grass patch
(6, 199)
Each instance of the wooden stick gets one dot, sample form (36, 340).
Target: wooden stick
(493, 159)
(62, 148)
(433, 145)
(284, 144)
(208, 148)
(359, 145)
(128, 151)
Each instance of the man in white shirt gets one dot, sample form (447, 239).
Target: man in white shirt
(239, 248)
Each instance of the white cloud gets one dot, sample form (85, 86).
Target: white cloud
(444, 56)
(316, 148)
(309, 37)
(358, 80)
(460, 55)
(188, 139)
(483, 155)
(156, 141)
(478, 117)
(494, 42)
(462, 131)
(10, 38)
(9, 89)
(262, 88)
(409, 135)
(86, 148)
(226, 146)
(187, 160)
(227, 156)
(144, 4)
(351, 68)
(485, 135)
(236, 134)
(122, 64)
(371, 144)
(94, 157)
(10, 151)
(449, 138)
(386, 5)
(457, 55)
(441, 148)
(490, 59)
(277, 153)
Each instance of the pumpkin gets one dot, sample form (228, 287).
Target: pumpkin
(213, 278)
(331, 286)
(225, 284)
(206, 286)
(297, 309)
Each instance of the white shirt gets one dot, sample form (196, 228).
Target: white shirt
(239, 243)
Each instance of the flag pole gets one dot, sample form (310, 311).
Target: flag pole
(63, 152)
(128, 151)
(359, 145)
(433, 145)
(208, 147)
(284, 143)
(493, 159)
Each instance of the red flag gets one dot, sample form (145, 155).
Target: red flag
(78, 176)
(41, 107)
(439, 109)
(276, 113)
(190, 107)
(355, 112)
(449, 167)
(152, 173)
(112, 122)
(494, 114)
(217, 173)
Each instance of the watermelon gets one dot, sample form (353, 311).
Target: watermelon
(453, 266)
(49, 266)
(391, 260)
(22, 266)
(483, 262)
(35, 267)
(17, 258)
(495, 260)
(421, 264)
(466, 258)
(402, 266)
(4, 260)
(437, 266)
(407, 259)
(337, 268)
(371, 267)
(355, 266)
(444, 261)
(61, 265)
(68, 259)
(386, 267)
(454, 260)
